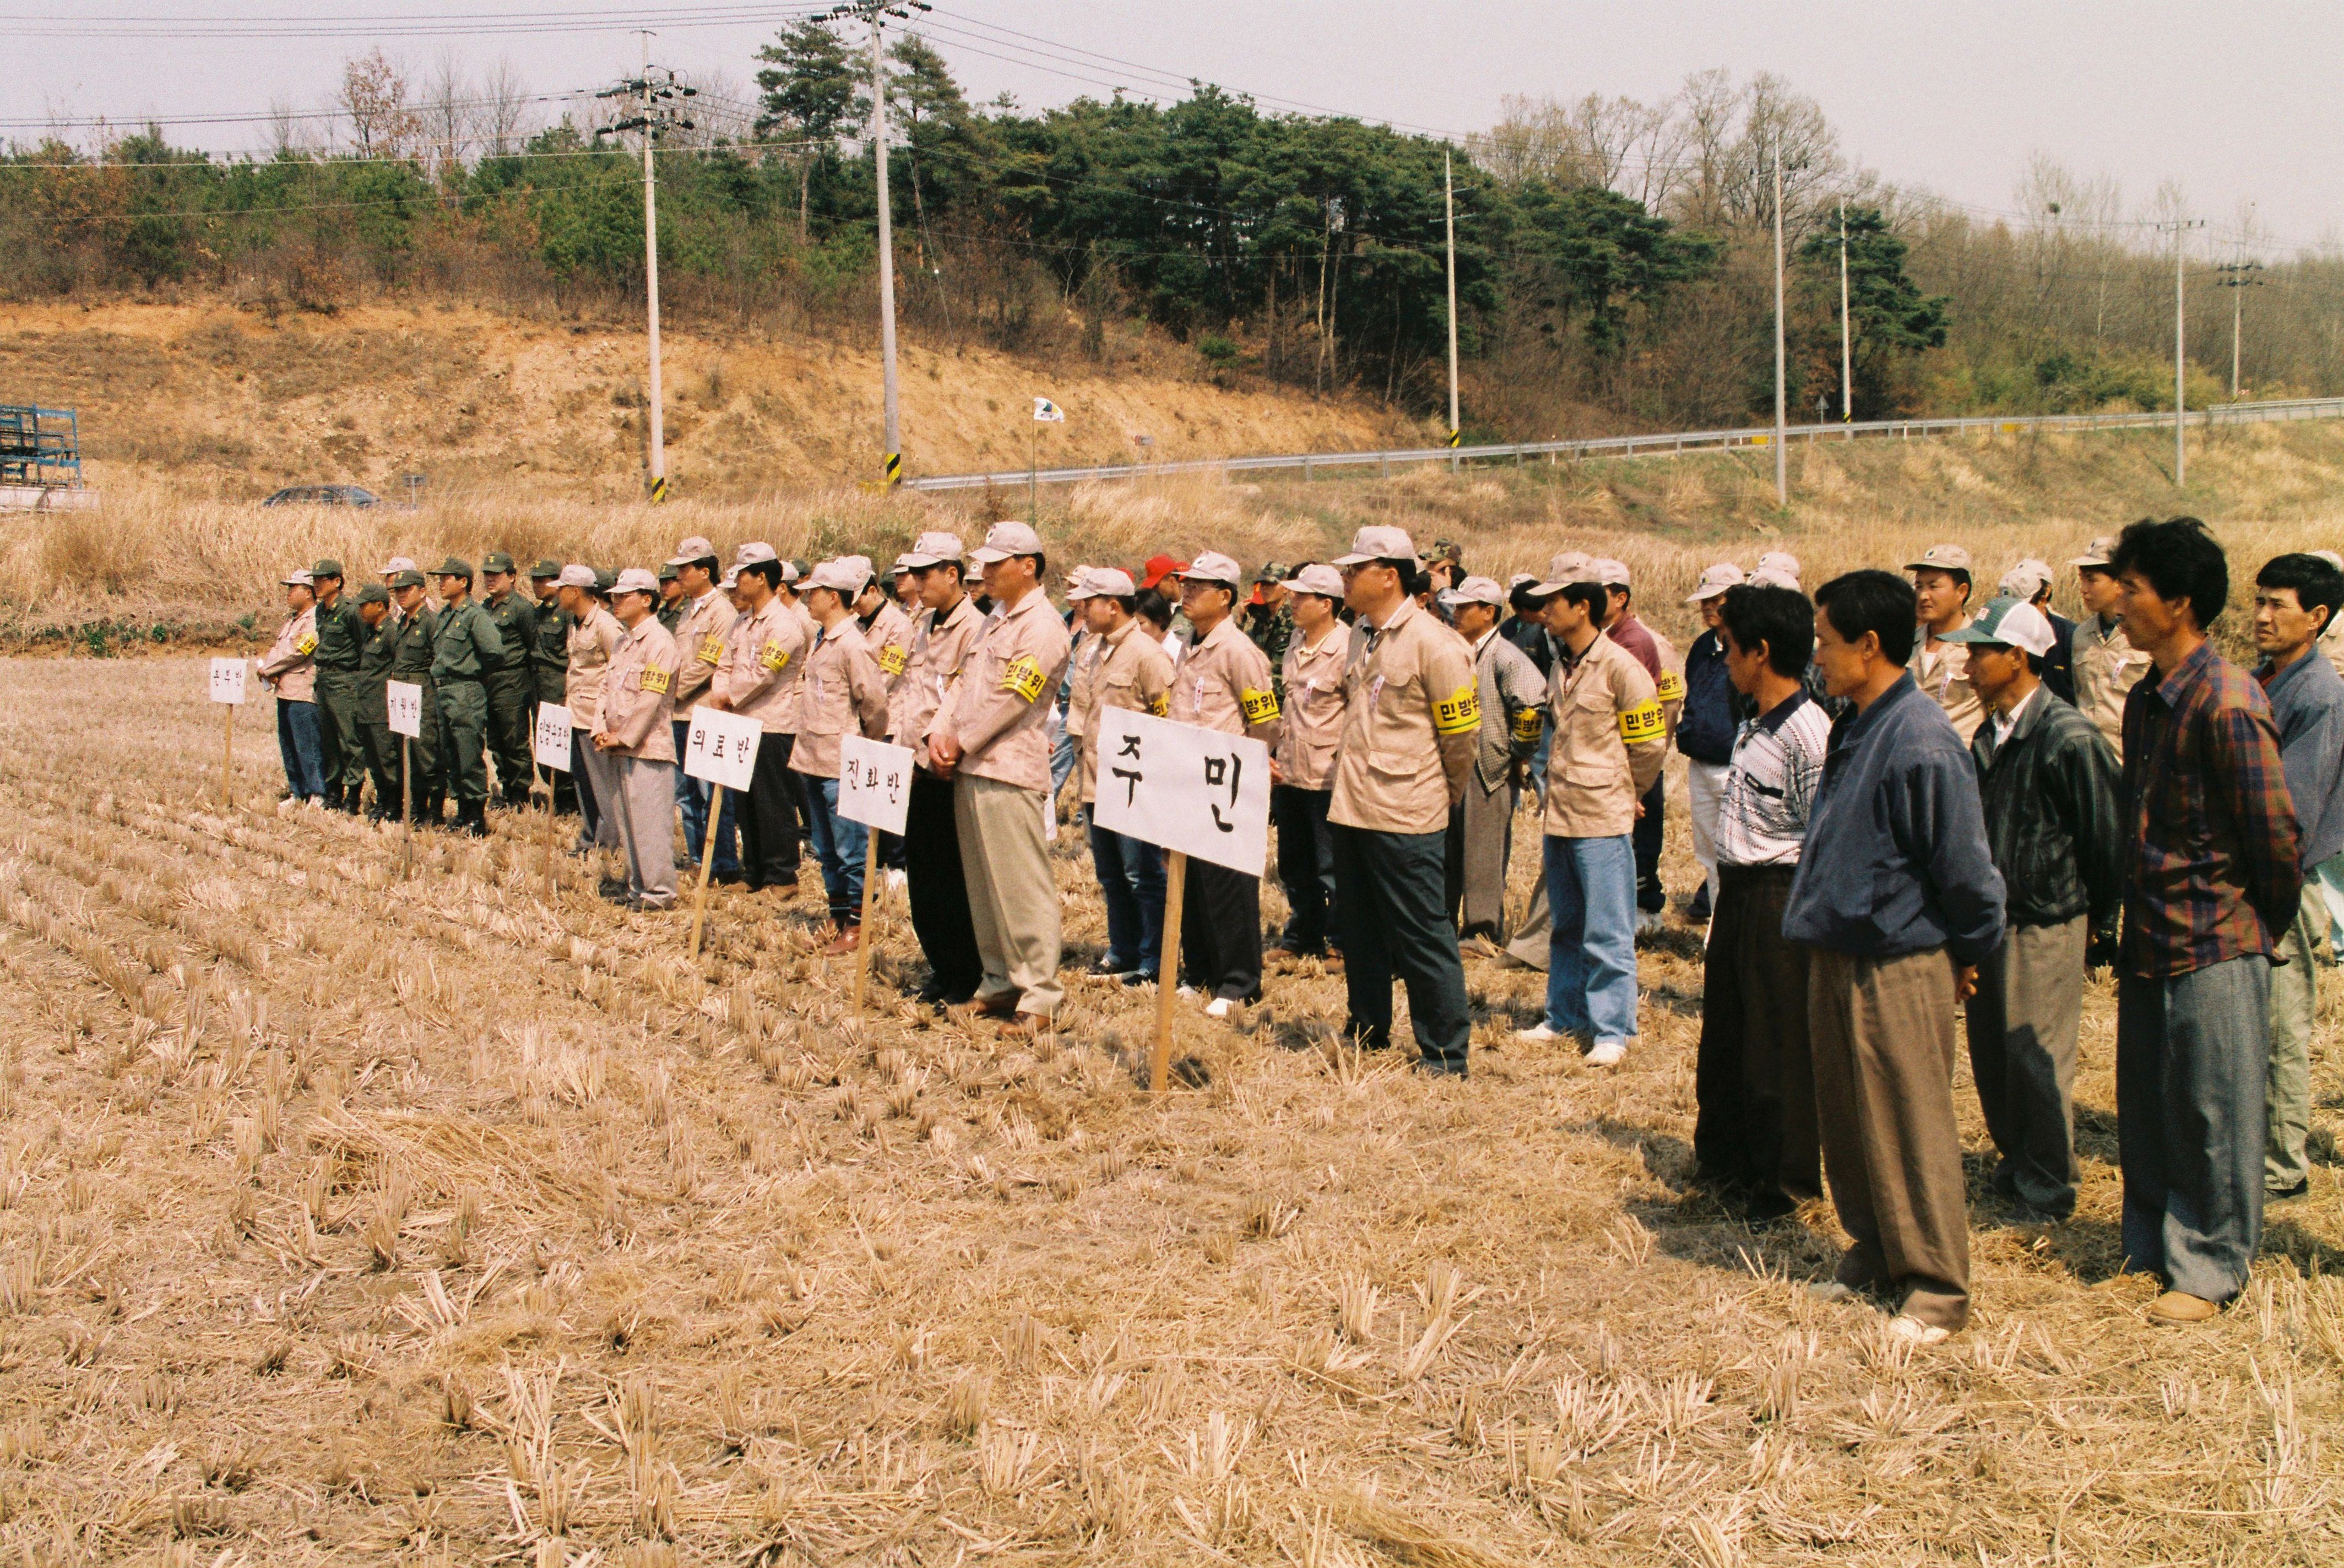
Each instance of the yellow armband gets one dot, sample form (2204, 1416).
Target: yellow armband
(1457, 711)
(893, 659)
(655, 679)
(1527, 725)
(1642, 723)
(1669, 686)
(306, 646)
(1022, 676)
(1260, 707)
(711, 648)
(772, 655)
(1160, 704)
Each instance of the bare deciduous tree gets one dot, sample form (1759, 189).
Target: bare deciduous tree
(504, 107)
(374, 96)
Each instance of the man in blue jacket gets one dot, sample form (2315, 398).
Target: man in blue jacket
(1705, 728)
(1899, 897)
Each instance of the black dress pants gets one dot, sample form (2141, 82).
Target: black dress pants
(938, 889)
(1646, 839)
(1220, 932)
(1754, 1131)
(1389, 891)
(767, 820)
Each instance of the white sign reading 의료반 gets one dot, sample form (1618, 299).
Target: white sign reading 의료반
(1198, 791)
(721, 748)
(874, 783)
(550, 739)
(403, 700)
(228, 679)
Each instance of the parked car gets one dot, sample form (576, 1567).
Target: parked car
(324, 495)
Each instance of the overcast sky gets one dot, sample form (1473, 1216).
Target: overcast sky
(2236, 103)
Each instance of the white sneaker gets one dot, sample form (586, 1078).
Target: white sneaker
(1649, 921)
(1538, 1034)
(1187, 991)
(1219, 1007)
(1904, 1327)
(1830, 1292)
(1608, 1054)
(895, 880)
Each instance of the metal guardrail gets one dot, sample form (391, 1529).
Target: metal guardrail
(1311, 464)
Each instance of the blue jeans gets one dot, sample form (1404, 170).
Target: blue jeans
(691, 795)
(1590, 976)
(839, 844)
(1131, 880)
(304, 753)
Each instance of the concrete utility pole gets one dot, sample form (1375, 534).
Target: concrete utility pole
(2238, 277)
(2181, 347)
(1781, 462)
(654, 112)
(1449, 201)
(1846, 332)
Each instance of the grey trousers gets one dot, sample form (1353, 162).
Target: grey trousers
(2294, 1004)
(2022, 1028)
(1013, 899)
(602, 831)
(1534, 937)
(1480, 838)
(646, 793)
(2192, 1056)
(1882, 1030)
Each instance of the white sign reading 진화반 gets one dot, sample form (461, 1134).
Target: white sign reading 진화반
(721, 748)
(549, 740)
(1197, 791)
(403, 702)
(228, 679)
(874, 783)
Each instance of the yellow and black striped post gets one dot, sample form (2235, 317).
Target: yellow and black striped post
(1456, 438)
(659, 489)
(892, 471)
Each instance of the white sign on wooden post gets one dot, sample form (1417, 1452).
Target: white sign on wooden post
(404, 701)
(1197, 791)
(721, 748)
(551, 738)
(228, 679)
(874, 783)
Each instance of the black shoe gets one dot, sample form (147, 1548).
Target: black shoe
(1698, 910)
(2281, 1194)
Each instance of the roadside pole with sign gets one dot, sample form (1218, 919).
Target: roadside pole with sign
(403, 703)
(721, 748)
(228, 689)
(1194, 791)
(875, 788)
(550, 742)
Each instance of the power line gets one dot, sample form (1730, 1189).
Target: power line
(48, 24)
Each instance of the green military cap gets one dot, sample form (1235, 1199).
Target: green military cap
(452, 567)
(800, 569)
(666, 574)
(1449, 549)
(407, 579)
(495, 560)
(548, 567)
(376, 593)
(329, 567)
(1273, 572)
(604, 578)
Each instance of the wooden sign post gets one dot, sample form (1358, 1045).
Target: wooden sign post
(228, 689)
(722, 749)
(875, 788)
(549, 745)
(1195, 792)
(403, 705)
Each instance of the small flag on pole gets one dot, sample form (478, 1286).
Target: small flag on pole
(1046, 412)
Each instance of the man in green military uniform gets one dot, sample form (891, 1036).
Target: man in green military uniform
(551, 662)
(369, 716)
(411, 661)
(512, 682)
(465, 646)
(672, 601)
(1268, 619)
(342, 754)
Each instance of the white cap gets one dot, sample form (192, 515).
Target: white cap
(1318, 578)
(1775, 577)
(1212, 566)
(755, 551)
(2011, 622)
(635, 580)
(934, 549)
(840, 576)
(2028, 579)
(399, 564)
(576, 576)
(1781, 561)
(1004, 539)
(692, 549)
(1609, 572)
(1571, 566)
(861, 564)
(302, 579)
(1475, 591)
(1381, 543)
(903, 564)
(1101, 582)
(1716, 579)
(731, 579)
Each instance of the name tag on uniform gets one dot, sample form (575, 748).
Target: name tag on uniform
(1260, 707)
(893, 660)
(1022, 676)
(711, 649)
(1642, 723)
(772, 655)
(1669, 686)
(1457, 711)
(655, 679)
(306, 646)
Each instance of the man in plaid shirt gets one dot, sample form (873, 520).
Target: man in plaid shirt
(2210, 877)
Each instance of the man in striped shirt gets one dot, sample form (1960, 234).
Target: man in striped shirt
(1755, 1132)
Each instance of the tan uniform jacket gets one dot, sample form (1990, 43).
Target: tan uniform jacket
(1610, 742)
(2331, 643)
(1942, 671)
(1000, 707)
(291, 667)
(1082, 671)
(592, 642)
(786, 718)
(2107, 666)
(938, 651)
(638, 693)
(1313, 716)
(700, 645)
(1132, 671)
(764, 655)
(889, 636)
(1225, 684)
(1410, 715)
(843, 690)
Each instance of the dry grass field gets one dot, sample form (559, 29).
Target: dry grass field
(460, 1218)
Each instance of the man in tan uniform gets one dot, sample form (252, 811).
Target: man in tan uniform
(289, 669)
(701, 632)
(764, 657)
(1410, 719)
(2106, 664)
(1302, 769)
(635, 728)
(1124, 667)
(946, 629)
(992, 740)
(1512, 694)
(1941, 592)
(595, 635)
(844, 694)
(887, 627)
(1223, 683)
(1610, 744)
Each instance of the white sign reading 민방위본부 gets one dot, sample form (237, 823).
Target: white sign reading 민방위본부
(550, 739)
(721, 748)
(874, 783)
(403, 700)
(1198, 791)
(228, 679)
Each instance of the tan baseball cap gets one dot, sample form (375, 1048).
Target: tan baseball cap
(577, 575)
(2100, 553)
(1716, 579)
(2027, 578)
(1318, 578)
(1476, 591)
(1212, 566)
(1102, 582)
(1941, 558)
(692, 549)
(841, 576)
(1781, 561)
(636, 580)
(1571, 566)
(297, 580)
(934, 549)
(751, 554)
(1004, 539)
(1609, 572)
(1380, 542)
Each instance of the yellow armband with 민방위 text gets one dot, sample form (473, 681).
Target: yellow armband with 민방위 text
(1529, 722)
(1669, 686)
(306, 646)
(893, 660)
(1260, 707)
(1642, 723)
(1023, 675)
(655, 679)
(711, 649)
(772, 655)
(1457, 711)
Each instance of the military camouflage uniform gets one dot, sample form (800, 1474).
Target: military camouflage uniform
(465, 646)
(512, 686)
(1271, 631)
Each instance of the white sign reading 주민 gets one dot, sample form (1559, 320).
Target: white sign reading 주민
(404, 700)
(551, 740)
(874, 783)
(228, 679)
(1201, 791)
(722, 748)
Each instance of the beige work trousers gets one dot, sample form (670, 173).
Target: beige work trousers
(1013, 899)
